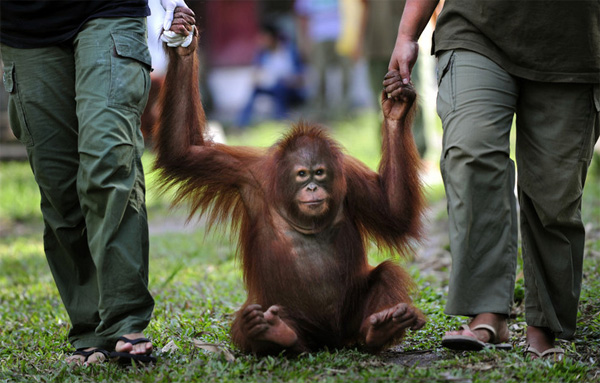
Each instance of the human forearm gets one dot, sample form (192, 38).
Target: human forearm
(414, 20)
(415, 17)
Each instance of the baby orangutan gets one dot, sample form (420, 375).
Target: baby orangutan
(305, 212)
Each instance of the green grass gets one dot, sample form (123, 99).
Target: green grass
(19, 193)
(197, 286)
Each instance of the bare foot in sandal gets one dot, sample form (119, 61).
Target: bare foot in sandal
(133, 348)
(87, 356)
(541, 344)
(485, 330)
(141, 348)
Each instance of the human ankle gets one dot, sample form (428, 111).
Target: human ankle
(492, 319)
(541, 338)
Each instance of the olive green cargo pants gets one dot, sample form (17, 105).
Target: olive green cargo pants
(557, 125)
(77, 109)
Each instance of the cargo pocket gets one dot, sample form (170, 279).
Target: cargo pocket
(18, 122)
(130, 72)
(446, 102)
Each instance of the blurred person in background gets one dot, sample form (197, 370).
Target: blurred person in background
(320, 27)
(379, 30)
(277, 73)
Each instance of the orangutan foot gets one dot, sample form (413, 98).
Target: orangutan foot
(267, 327)
(387, 325)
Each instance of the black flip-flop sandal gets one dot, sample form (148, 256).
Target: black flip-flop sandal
(125, 358)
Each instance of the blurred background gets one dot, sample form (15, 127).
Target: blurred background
(285, 60)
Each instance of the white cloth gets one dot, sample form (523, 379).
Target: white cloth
(176, 40)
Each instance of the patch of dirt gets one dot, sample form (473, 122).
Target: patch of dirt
(173, 223)
(433, 257)
(420, 358)
(10, 228)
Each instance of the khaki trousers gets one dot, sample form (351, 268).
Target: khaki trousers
(557, 125)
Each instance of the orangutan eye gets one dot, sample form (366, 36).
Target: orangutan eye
(320, 172)
(301, 173)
